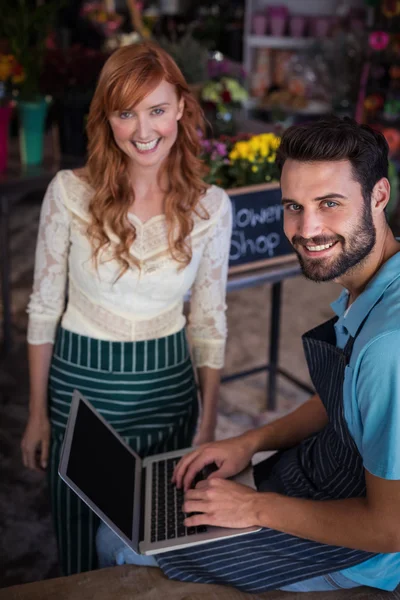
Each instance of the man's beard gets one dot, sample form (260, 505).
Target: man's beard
(355, 250)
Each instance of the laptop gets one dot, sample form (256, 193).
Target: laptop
(133, 496)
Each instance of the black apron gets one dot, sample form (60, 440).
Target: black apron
(325, 466)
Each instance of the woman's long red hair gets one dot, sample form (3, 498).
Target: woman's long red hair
(128, 76)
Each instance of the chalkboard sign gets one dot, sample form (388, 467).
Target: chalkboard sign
(257, 230)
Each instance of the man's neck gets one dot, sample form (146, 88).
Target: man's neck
(356, 282)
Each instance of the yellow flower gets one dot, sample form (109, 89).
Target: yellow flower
(242, 149)
(275, 143)
(5, 70)
(258, 150)
(234, 155)
(18, 78)
(264, 150)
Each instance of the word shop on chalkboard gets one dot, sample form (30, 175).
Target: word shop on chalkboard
(258, 238)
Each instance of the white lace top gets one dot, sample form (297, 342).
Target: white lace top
(144, 303)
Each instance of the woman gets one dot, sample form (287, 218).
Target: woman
(124, 240)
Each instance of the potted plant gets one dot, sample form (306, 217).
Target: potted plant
(25, 26)
(252, 161)
(245, 166)
(241, 161)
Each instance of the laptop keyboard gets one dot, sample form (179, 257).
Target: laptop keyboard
(166, 512)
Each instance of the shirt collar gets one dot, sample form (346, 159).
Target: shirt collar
(362, 306)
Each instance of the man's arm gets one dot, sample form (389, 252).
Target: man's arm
(291, 429)
(371, 523)
(233, 455)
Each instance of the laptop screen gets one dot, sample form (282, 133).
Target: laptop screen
(102, 468)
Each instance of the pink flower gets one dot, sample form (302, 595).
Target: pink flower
(221, 148)
(378, 40)
(206, 145)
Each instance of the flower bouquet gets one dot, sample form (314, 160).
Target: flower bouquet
(107, 23)
(215, 154)
(222, 97)
(241, 161)
(253, 161)
(11, 76)
(25, 26)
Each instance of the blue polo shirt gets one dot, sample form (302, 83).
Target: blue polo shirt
(371, 394)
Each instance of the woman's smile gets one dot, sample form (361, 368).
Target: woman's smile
(146, 147)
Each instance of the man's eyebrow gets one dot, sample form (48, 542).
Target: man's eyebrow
(318, 199)
(329, 196)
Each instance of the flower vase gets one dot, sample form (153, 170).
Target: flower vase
(32, 125)
(259, 22)
(277, 16)
(5, 118)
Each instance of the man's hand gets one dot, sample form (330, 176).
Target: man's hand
(231, 456)
(222, 503)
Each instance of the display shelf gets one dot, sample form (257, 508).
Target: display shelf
(252, 44)
(279, 43)
(313, 107)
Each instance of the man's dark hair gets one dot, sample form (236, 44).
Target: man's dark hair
(335, 139)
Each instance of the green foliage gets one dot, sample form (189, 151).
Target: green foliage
(26, 27)
(190, 56)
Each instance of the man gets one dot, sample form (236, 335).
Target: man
(329, 501)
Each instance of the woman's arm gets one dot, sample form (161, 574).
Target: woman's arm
(45, 308)
(36, 438)
(207, 319)
(209, 381)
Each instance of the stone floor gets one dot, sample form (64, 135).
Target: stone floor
(27, 545)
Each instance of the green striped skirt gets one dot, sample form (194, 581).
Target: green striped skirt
(146, 390)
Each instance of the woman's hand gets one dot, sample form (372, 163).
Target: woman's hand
(204, 435)
(36, 439)
(231, 456)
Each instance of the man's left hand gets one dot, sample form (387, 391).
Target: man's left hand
(221, 503)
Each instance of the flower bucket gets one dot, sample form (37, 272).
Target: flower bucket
(32, 124)
(5, 118)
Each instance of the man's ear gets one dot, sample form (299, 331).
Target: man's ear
(181, 108)
(380, 195)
